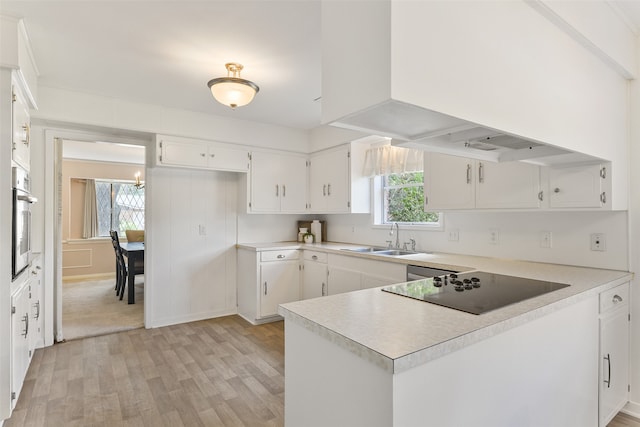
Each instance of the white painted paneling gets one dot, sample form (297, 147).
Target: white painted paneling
(192, 225)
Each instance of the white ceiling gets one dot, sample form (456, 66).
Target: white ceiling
(165, 52)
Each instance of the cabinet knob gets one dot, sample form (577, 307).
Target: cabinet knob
(280, 256)
(314, 257)
(616, 299)
(213, 155)
(556, 190)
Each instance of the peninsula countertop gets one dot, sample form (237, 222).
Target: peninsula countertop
(398, 333)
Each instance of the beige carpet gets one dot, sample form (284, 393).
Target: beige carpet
(92, 308)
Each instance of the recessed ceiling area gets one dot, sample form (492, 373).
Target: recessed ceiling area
(103, 152)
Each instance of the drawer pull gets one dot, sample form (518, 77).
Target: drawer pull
(314, 257)
(608, 380)
(265, 288)
(616, 299)
(280, 256)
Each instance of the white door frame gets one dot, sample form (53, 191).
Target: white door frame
(52, 248)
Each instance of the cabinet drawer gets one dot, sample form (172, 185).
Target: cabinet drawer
(315, 256)
(287, 254)
(615, 297)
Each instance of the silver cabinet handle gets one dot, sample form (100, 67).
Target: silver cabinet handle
(280, 256)
(203, 154)
(616, 299)
(328, 189)
(212, 155)
(27, 133)
(323, 289)
(314, 257)
(481, 173)
(608, 380)
(541, 196)
(324, 190)
(277, 190)
(25, 319)
(603, 197)
(284, 190)
(37, 305)
(468, 173)
(265, 288)
(556, 190)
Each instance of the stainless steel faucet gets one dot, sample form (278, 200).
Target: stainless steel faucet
(397, 234)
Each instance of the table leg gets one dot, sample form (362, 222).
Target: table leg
(131, 279)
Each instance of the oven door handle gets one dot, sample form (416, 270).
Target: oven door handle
(29, 199)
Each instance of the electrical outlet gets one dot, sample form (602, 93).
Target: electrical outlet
(546, 239)
(598, 242)
(454, 235)
(494, 236)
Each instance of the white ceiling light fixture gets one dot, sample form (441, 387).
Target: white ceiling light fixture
(232, 90)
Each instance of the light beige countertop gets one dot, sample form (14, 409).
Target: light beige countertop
(373, 324)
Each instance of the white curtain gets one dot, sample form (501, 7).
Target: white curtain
(388, 159)
(90, 223)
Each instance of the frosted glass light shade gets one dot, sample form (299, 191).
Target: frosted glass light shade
(233, 92)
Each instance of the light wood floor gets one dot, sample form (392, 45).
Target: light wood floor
(219, 372)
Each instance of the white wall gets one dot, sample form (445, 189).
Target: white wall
(519, 236)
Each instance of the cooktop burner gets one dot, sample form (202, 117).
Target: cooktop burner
(475, 292)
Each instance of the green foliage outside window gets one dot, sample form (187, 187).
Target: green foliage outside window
(404, 199)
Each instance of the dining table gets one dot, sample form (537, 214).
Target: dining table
(133, 251)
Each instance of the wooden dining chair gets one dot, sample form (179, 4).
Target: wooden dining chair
(121, 267)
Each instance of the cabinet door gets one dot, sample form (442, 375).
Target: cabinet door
(614, 363)
(279, 284)
(449, 182)
(36, 323)
(20, 345)
(192, 154)
(507, 185)
(343, 279)
(265, 182)
(575, 187)
(329, 181)
(227, 159)
(293, 184)
(21, 130)
(314, 280)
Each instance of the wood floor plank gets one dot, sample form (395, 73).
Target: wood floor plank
(218, 372)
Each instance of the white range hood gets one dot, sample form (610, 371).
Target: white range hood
(416, 127)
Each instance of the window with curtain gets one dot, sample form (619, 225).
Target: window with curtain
(398, 185)
(120, 207)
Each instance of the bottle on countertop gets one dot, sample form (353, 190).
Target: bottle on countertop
(301, 232)
(316, 230)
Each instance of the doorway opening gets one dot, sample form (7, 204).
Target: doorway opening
(101, 190)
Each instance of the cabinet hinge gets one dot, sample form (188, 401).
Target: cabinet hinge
(629, 387)
(348, 204)
(603, 197)
(161, 158)
(14, 98)
(629, 317)
(348, 154)
(13, 395)
(160, 144)
(249, 204)
(541, 196)
(603, 172)
(249, 154)
(13, 309)
(30, 353)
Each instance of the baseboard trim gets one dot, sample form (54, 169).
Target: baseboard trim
(158, 323)
(88, 277)
(632, 408)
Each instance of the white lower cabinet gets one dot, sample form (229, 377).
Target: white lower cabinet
(21, 345)
(314, 274)
(348, 273)
(614, 352)
(267, 279)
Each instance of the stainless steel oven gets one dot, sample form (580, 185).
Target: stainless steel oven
(21, 221)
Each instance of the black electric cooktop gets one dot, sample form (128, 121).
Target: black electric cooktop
(475, 292)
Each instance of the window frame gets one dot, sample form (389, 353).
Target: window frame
(111, 183)
(378, 209)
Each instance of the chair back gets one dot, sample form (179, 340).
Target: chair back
(135, 235)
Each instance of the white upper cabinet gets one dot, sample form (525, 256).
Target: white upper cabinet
(189, 153)
(579, 186)
(452, 182)
(278, 182)
(336, 184)
(21, 128)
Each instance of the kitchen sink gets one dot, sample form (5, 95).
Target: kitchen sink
(381, 251)
(395, 252)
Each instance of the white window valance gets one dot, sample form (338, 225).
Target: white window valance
(388, 159)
